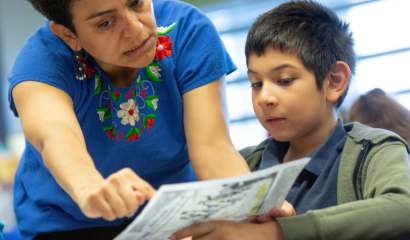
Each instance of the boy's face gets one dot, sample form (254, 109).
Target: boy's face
(285, 96)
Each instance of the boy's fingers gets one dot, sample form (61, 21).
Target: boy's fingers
(193, 230)
(264, 218)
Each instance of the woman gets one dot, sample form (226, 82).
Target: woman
(112, 96)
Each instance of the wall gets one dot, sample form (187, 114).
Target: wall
(18, 21)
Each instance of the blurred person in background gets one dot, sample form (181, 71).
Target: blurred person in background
(376, 109)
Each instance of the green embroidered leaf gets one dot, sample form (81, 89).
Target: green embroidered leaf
(129, 134)
(99, 84)
(149, 104)
(150, 75)
(107, 114)
(151, 116)
(165, 30)
(108, 127)
(139, 81)
(109, 89)
(152, 97)
(103, 109)
(138, 131)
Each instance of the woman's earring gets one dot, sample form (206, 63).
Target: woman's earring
(79, 68)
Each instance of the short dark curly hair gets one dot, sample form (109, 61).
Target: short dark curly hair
(311, 31)
(58, 11)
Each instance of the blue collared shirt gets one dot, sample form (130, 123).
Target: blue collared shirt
(316, 186)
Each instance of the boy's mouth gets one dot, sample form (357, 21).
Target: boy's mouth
(273, 121)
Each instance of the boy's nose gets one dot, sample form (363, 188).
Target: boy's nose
(132, 27)
(267, 96)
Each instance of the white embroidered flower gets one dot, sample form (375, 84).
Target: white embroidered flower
(96, 84)
(101, 115)
(162, 29)
(155, 71)
(128, 113)
(155, 103)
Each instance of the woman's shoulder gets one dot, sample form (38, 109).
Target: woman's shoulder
(171, 11)
(43, 55)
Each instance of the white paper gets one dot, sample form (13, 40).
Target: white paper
(176, 206)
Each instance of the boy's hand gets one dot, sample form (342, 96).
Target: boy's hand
(118, 196)
(228, 230)
(286, 210)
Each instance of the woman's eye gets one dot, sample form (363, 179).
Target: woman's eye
(256, 85)
(285, 80)
(104, 24)
(136, 3)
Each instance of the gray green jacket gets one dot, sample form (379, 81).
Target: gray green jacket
(374, 167)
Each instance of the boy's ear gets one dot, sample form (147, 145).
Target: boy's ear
(66, 35)
(338, 80)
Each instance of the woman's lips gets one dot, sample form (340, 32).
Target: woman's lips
(138, 50)
(272, 121)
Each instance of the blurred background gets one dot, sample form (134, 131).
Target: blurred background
(382, 43)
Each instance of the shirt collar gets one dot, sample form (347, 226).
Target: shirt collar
(320, 156)
(274, 150)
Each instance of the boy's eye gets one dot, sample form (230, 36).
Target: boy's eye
(256, 85)
(285, 80)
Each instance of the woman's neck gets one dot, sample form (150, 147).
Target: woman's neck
(120, 77)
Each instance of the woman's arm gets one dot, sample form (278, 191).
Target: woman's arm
(50, 125)
(206, 122)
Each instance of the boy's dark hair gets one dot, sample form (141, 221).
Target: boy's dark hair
(309, 30)
(58, 11)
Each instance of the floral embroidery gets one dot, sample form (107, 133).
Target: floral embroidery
(133, 134)
(128, 113)
(143, 93)
(103, 113)
(116, 95)
(164, 47)
(110, 131)
(152, 72)
(149, 121)
(139, 80)
(98, 84)
(165, 30)
(142, 96)
(88, 67)
(152, 102)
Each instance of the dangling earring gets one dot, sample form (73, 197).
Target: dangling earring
(79, 68)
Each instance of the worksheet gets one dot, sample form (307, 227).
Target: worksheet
(238, 198)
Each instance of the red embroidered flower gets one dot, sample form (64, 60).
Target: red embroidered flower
(150, 122)
(164, 47)
(88, 67)
(143, 94)
(109, 102)
(110, 134)
(133, 137)
(116, 92)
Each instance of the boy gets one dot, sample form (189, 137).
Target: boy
(300, 58)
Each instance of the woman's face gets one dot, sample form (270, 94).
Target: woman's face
(117, 33)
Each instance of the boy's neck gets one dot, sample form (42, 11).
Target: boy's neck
(302, 147)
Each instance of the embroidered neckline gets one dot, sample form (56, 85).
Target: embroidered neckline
(129, 111)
